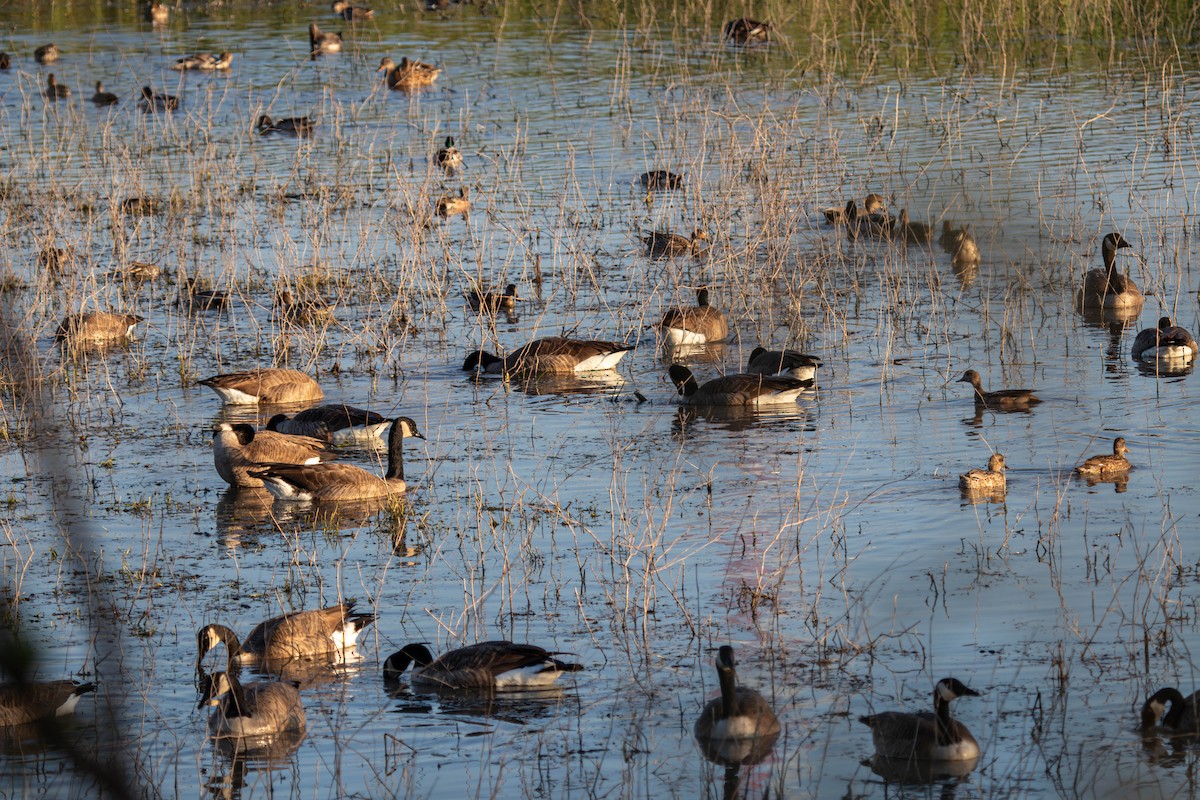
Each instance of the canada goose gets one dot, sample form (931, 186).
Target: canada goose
(660, 180)
(289, 126)
(498, 665)
(985, 480)
(493, 301)
(262, 708)
(338, 424)
(913, 232)
(157, 13)
(205, 62)
(1107, 288)
(326, 42)
(1102, 466)
(739, 713)
(21, 703)
(5, 60)
(747, 31)
(1167, 342)
(274, 385)
(303, 634)
(449, 205)
(698, 324)
(237, 449)
(409, 74)
(96, 326)
(736, 390)
(839, 215)
(326, 482)
(671, 245)
(1003, 399)
(922, 736)
(554, 355)
(448, 157)
(1182, 717)
(55, 90)
(351, 13)
(790, 363)
(157, 101)
(46, 54)
(103, 98)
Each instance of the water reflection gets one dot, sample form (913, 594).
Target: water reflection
(247, 757)
(516, 708)
(740, 418)
(908, 771)
(243, 513)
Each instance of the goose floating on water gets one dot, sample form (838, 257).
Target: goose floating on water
(1106, 288)
(302, 634)
(790, 363)
(238, 449)
(497, 665)
(736, 390)
(262, 708)
(554, 355)
(1167, 342)
(922, 736)
(698, 324)
(339, 424)
(739, 713)
(1169, 709)
(22, 703)
(266, 386)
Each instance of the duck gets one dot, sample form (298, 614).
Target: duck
(553, 355)
(196, 294)
(923, 736)
(56, 259)
(288, 126)
(449, 205)
(304, 311)
(492, 302)
(1107, 289)
(964, 250)
(5, 60)
(326, 482)
(448, 157)
(258, 709)
(158, 101)
(337, 424)
(840, 215)
(661, 180)
(698, 324)
(323, 42)
(747, 31)
(157, 13)
(238, 448)
(736, 390)
(1106, 465)
(351, 13)
(1002, 399)
(204, 62)
(103, 98)
(1167, 342)
(985, 480)
(266, 386)
(498, 665)
(30, 701)
(913, 232)
(790, 363)
(139, 271)
(96, 326)
(739, 713)
(46, 54)
(1182, 716)
(55, 90)
(671, 245)
(287, 637)
(409, 74)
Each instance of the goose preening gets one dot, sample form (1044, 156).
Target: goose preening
(1169, 709)
(660, 180)
(739, 713)
(985, 480)
(21, 703)
(789, 363)
(55, 90)
(205, 62)
(46, 54)
(448, 157)
(351, 13)
(267, 386)
(339, 424)
(333, 482)
(747, 31)
(923, 736)
(671, 245)
(323, 41)
(303, 634)
(1167, 342)
(238, 449)
(1107, 289)
(736, 390)
(262, 708)
(499, 665)
(103, 98)
(96, 326)
(408, 74)
(1001, 399)
(481, 300)
(554, 355)
(287, 126)
(1106, 465)
(698, 324)
(452, 204)
(157, 101)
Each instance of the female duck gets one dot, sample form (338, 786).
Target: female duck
(671, 245)
(1001, 399)
(1103, 466)
(922, 736)
(304, 634)
(103, 98)
(498, 665)
(699, 324)
(985, 480)
(323, 41)
(55, 90)
(408, 74)
(158, 101)
(553, 355)
(1167, 342)
(262, 708)
(739, 713)
(736, 390)
(1107, 289)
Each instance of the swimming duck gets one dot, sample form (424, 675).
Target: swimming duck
(450, 205)
(22, 703)
(739, 713)
(5, 60)
(448, 157)
(497, 665)
(698, 324)
(157, 13)
(964, 250)
(103, 98)
(736, 390)
(553, 355)
(288, 126)
(1104, 466)
(747, 31)
(339, 424)
(158, 101)
(351, 13)
(1183, 716)
(408, 74)
(333, 482)
(985, 480)
(273, 385)
(96, 326)
(661, 180)
(1002, 399)
(790, 363)
(239, 448)
(912, 232)
(262, 708)
(1167, 342)
(1107, 288)
(56, 259)
(873, 220)
(204, 62)
(922, 736)
(839, 215)
(301, 634)
(323, 42)
(55, 90)
(46, 54)
(670, 245)
(493, 301)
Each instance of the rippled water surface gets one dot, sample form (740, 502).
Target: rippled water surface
(828, 542)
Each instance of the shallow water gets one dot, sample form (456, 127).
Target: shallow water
(828, 542)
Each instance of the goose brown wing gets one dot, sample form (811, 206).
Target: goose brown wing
(496, 658)
(324, 620)
(315, 477)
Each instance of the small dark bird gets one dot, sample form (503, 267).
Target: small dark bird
(1003, 399)
(747, 31)
(46, 54)
(660, 179)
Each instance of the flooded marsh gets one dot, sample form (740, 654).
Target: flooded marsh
(825, 539)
